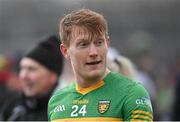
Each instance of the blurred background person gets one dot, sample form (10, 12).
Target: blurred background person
(121, 64)
(39, 71)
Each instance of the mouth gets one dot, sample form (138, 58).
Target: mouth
(94, 63)
(29, 85)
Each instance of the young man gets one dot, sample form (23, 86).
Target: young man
(98, 94)
(39, 70)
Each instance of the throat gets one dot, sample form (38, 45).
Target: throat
(88, 82)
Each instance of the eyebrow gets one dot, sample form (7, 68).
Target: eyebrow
(82, 39)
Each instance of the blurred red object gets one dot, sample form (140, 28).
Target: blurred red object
(11, 81)
(4, 75)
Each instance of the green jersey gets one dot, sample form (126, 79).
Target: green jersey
(115, 98)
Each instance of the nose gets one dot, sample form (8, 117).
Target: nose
(93, 51)
(23, 74)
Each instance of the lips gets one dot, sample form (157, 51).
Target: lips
(93, 63)
(28, 84)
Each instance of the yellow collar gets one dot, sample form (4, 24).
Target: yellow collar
(89, 89)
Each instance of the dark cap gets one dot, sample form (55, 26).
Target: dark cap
(48, 54)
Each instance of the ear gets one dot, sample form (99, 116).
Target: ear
(64, 51)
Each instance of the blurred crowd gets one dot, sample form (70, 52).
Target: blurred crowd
(162, 86)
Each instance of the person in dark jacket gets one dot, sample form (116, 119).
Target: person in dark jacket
(39, 70)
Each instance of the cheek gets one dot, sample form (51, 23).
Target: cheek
(103, 52)
(76, 57)
(41, 77)
(75, 61)
(36, 77)
(106, 51)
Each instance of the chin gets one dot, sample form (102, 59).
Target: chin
(29, 93)
(96, 73)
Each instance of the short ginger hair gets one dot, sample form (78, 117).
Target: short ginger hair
(92, 21)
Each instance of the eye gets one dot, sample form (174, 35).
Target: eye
(32, 68)
(83, 44)
(99, 42)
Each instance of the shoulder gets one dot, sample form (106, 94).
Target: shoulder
(9, 105)
(128, 85)
(58, 97)
(119, 81)
(115, 76)
(138, 89)
(13, 100)
(137, 102)
(62, 93)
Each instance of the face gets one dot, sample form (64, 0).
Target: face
(37, 80)
(87, 55)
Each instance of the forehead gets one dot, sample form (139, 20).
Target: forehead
(28, 62)
(80, 32)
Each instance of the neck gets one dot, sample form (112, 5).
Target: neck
(85, 83)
